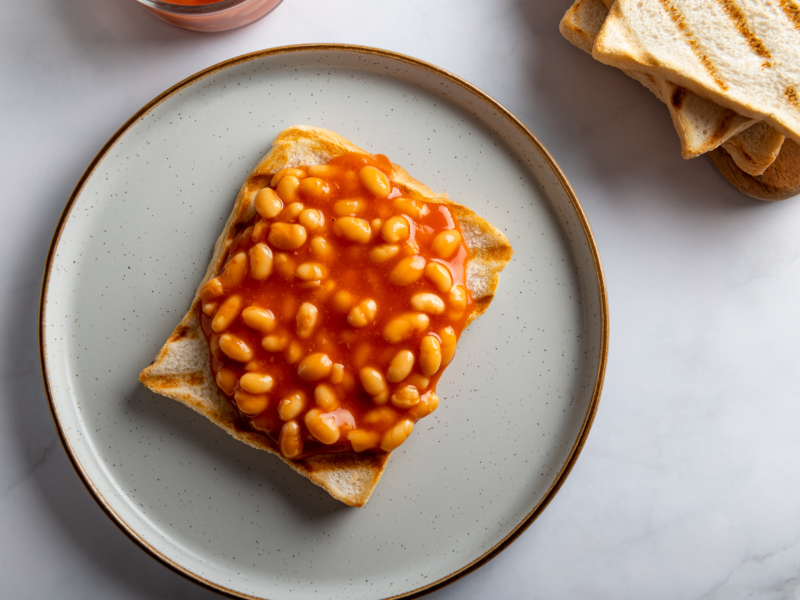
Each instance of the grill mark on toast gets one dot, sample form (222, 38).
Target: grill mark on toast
(680, 22)
(182, 331)
(792, 96)
(678, 96)
(791, 11)
(723, 127)
(740, 21)
(178, 380)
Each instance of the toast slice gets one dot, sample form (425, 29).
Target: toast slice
(743, 56)
(182, 370)
(756, 148)
(701, 124)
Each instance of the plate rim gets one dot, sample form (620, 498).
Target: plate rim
(504, 112)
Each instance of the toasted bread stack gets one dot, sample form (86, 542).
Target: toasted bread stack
(727, 70)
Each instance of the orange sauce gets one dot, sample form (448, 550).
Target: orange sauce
(349, 268)
(192, 2)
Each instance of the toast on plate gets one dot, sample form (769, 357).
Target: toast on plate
(182, 369)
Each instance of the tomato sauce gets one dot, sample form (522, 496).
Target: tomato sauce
(351, 272)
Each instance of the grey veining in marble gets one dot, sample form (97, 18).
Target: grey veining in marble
(688, 485)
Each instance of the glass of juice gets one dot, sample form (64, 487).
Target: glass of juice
(209, 15)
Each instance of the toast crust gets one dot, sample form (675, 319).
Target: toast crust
(182, 370)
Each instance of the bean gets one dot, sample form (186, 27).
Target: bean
(458, 298)
(275, 342)
(235, 348)
(428, 303)
(405, 397)
(383, 253)
(260, 230)
(307, 319)
(395, 230)
(401, 366)
(380, 417)
(430, 355)
(323, 171)
(407, 271)
(322, 426)
(235, 271)
(226, 380)
(210, 308)
(403, 327)
(284, 265)
(375, 181)
(268, 204)
(337, 373)
(325, 397)
(321, 248)
(260, 262)
(260, 319)
(427, 404)
(227, 313)
(293, 352)
(292, 405)
(291, 212)
(397, 435)
(363, 313)
(418, 381)
(362, 439)
(349, 208)
(287, 188)
(311, 218)
(251, 404)
(372, 380)
(256, 383)
(311, 271)
(446, 243)
(413, 208)
(290, 172)
(286, 236)
(439, 276)
(315, 367)
(448, 336)
(212, 289)
(290, 440)
(315, 188)
(353, 229)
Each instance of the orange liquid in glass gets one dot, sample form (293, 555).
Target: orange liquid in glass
(193, 2)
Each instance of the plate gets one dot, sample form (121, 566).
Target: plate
(132, 245)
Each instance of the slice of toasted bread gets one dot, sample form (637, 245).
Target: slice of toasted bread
(756, 148)
(182, 370)
(701, 124)
(743, 56)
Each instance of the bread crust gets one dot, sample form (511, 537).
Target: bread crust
(182, 369)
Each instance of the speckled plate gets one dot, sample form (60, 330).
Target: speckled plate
(131, 247)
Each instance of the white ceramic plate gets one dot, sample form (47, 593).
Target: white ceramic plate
(132, 245)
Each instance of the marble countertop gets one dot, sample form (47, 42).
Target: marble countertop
(689, 484)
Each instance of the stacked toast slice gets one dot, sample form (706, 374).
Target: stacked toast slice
(655, 42)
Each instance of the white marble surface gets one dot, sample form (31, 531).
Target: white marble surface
(688, 484)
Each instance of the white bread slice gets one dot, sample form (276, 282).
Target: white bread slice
(756, 148)
(182, 370)
(743, 56)
(701, 124)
